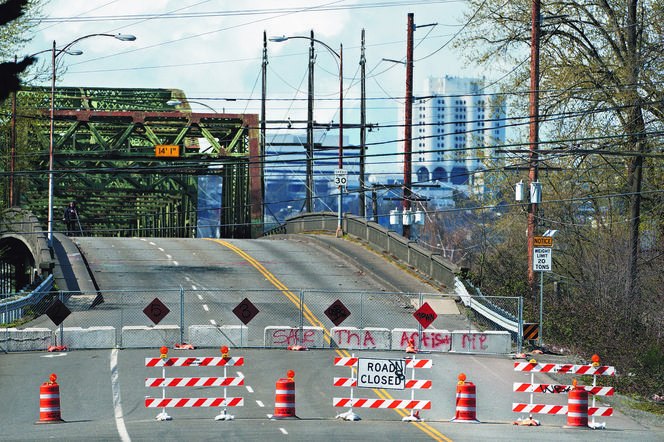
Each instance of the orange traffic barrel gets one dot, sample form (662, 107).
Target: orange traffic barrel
(465, 402)
(577, 408)
(284, 401)
(49, 402)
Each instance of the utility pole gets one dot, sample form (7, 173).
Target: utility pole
(363, 130)
(310, 129)
(408, 128)
(263, 139)
(534, 136)
(13, 151)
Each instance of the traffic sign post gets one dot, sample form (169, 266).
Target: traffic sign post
(542, 262)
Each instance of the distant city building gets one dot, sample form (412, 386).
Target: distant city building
(456, 128)
(285, 175)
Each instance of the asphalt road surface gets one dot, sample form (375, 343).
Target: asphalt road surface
(103, 391)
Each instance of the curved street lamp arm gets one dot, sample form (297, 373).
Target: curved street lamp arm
(122, 37)
(322, 43)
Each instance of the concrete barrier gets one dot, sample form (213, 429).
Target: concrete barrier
(432, 339)
(212, 336)
(369, 338)
(28, 339)
(486, 342)
(93, 337)
(141, 336)
(313, 337)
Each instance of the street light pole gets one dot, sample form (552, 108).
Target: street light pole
(340, 231)
(339, 56)
(408, 128)
(310, 129)
(54, 54)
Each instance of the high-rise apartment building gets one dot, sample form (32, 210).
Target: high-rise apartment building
(456, 128)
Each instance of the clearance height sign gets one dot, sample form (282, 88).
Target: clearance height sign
(381, 373)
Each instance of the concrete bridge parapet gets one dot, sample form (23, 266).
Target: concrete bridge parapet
(20, 230)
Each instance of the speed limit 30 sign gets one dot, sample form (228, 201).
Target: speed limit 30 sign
(340, 177)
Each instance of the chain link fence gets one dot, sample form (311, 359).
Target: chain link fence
(253, 312)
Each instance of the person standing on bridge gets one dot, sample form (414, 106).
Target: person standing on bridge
(71, 218)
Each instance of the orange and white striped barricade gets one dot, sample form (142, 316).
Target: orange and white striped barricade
(413, 384)
(49, 402)
(224, 361)
(466, 402)
(593, 369)
(284, 398)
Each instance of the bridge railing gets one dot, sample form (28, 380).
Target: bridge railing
(12, 308)
(380, 238)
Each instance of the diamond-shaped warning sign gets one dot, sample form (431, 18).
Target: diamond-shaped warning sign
(156, 311)
(337, 312)
(425, 315)
(57, 312)
(245, 311)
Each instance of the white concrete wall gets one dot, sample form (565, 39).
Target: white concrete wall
(211, 336)
(432, 339)
(289, 336)
(93, 337)
(27, 339)
(141, 336)
(362, 339)
(485, 342)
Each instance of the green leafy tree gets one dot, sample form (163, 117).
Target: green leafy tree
(17, 19)
(601, 118)
(600, 70)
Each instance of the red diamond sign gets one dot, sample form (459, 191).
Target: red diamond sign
(245, 311)
(425, 315)
(337, 312)
(156, 311)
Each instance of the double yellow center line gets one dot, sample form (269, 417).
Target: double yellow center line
(383, 394)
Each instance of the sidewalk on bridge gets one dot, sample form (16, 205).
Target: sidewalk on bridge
(71, 273)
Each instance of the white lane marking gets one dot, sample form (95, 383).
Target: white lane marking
(117, 402)
(160, 249)
(54, 355)
(260, 404)
(200, 297)
(152, 244)
(213, 322)
(176, 263)
(283, 430)
(169, 257)
(205, 307)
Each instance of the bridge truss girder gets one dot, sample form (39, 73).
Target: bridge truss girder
(105, 161)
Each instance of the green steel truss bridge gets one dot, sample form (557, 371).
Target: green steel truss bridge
(132, 163)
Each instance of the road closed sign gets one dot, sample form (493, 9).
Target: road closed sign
(381, 373)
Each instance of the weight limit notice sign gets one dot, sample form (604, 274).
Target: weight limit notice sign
(542, 259)
(381, 373)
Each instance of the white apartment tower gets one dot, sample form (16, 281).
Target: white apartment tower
(456, 128)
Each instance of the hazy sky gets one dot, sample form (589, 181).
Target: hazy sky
(212, 50)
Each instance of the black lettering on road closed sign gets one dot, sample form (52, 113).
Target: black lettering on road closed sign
(381, 373)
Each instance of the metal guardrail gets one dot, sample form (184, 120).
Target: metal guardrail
(504, 320)
(11, 309)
